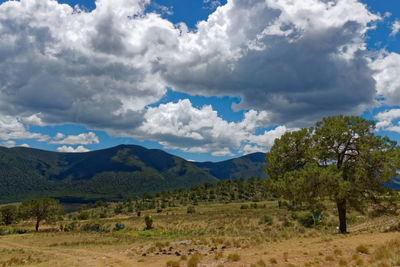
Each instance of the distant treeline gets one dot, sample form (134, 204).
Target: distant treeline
(224, 191)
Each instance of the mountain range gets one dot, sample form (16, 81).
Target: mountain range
(113, 174)
(110, 174)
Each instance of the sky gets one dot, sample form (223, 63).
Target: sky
(206, 80)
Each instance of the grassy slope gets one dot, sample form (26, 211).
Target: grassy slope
(215, 231)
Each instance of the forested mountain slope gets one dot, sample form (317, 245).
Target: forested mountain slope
(109, 174)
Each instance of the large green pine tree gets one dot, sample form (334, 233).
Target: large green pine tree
(340, 158)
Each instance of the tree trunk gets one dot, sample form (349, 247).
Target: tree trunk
(341, 205)
(37, 226)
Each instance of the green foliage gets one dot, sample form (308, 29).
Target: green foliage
(83, 215)
(94, 227)
(119, 208)
(68, 227)
(110, 174)
(191, 209)
(8, 214)
(99, 203)
(119, 226)
(41, 209)
(149, 222)
(306, 219)
(340, 158)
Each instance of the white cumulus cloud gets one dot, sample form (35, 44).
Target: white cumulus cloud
(387, 76)
(182, 126)
(299, 60)
(290, 63)
(386, 120)
(80, 139)
(13, 128)
(395, 28)
(70, 149)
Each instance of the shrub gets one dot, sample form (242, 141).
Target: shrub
(183, 258)
(68, 227)
(119, 226)
(194, 261)
(261, 263)
(98, 204)
(191, 209)
(244, 207)
(93, 227)
(83, 215)
(388, 254)
(149, 222)
(266, 219)
(118, 208)
(329, 258)
(362, 249)
(8, 214)
(306, 219)
(253, 205)
(338, 252)
(234, 257)
(173, 264)
(273, 261)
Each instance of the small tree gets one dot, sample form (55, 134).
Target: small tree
(9, 214)
(340, 158)
(149, 222)
(41, 209)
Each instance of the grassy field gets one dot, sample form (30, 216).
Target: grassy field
(215, 235)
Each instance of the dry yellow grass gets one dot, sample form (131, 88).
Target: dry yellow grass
(213, 233)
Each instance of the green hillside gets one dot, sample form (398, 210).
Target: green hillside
(108, 174)
(243, 167)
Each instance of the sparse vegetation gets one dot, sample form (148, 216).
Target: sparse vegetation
(362, 249)
(233, 257)
(148, 219)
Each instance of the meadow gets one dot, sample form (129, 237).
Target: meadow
(264, 233)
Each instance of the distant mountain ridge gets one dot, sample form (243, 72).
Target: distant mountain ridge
(109, 174)
(245, 166)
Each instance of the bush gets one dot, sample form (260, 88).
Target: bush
(306, 219)
(266, 219)
(244, 207)
(191, 209)
(253, 205)
(118, 208)
(68, 227)
(149, 222)
(173, 263)
(234, 257)
(94, 227)
(362, 249)
(8, 214)
(83, 215)
(103, 214)
(98, 204)
(194, 260)
(119, 226)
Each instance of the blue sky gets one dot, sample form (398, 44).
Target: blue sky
(146, 73)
